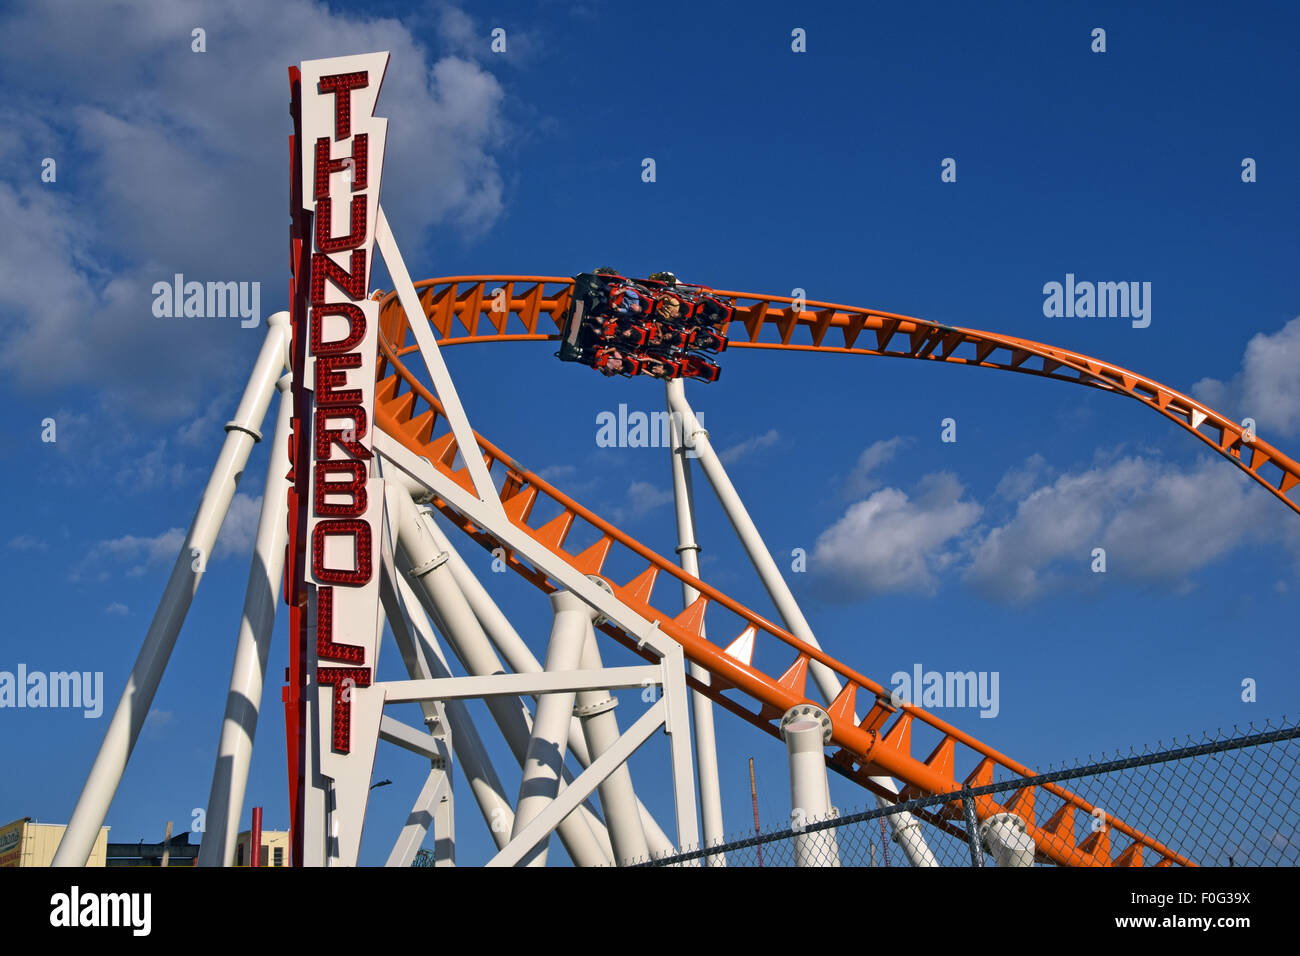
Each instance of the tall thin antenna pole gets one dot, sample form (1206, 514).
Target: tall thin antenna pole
(753, 795)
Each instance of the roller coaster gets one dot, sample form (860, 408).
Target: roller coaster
(410, 453)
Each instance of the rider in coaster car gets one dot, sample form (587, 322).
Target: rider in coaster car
(670, 309)
(658, 366)
(622, 332)
(610, 361)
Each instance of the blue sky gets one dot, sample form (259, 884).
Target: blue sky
(774, 170)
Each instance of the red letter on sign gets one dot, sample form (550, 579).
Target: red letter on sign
(326, 436)
(328, 379)
(359, 532)
(325, 165)
(327, 243)
(342, 85)
(354, 488)
(353, 284)
(342, 679)
(326, 649)
(356, 328)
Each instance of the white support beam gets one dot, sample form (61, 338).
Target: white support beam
(904, 826)
(417, 741)
(688, 551)
(596, 711)
(137, 697)
(581, 788)
(677, 724)
(429, 351)
(424, 478)
(252, 648)
(512, 685)
(433, 580)
(549, 740)
(805, 739)
(411, 628)
(436, 787)
(520, 659)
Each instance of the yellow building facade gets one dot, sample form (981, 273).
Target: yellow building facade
(24, 843)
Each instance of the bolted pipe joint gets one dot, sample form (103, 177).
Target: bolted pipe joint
(1006, 838)
(807, 712)
(435, 562)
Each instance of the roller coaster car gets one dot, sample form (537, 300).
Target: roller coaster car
(622, 326)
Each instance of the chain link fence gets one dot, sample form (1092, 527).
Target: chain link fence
(1225, 800)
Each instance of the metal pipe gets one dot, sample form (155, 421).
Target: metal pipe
(517, 654)
(133, 706)
(252, 647)
(541, 778)
(805, 730)
(255, 839)
(595, 709)
(466, 637)
(466, 743)
(688, 549)
(906, 829)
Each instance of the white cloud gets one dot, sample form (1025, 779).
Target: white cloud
(642, 498)
(27, 542)
(1266, 387)
(156, 720)
(554, 473)
(749, 445)
(116, 608)
(174, 161)
(1018, 482)
(142, 554)
(893, 542)
(240, 528)
(1156, 521)
(860, 481)
(152, 469)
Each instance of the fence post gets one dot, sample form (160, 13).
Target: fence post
(972, 828)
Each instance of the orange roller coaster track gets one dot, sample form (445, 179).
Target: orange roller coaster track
(881, 742)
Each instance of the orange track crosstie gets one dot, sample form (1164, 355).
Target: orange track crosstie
(881, 743)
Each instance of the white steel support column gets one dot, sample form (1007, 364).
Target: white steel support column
(600, 728)
(511, 646)
(905, 828)
(706, 747)
(444, 829)
(1005, 836)
(437, 788)
(433, 361)
(415, 639)
(466, 637)
(244, 700)
(541, 778)
(133, 706)
(806, 731)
